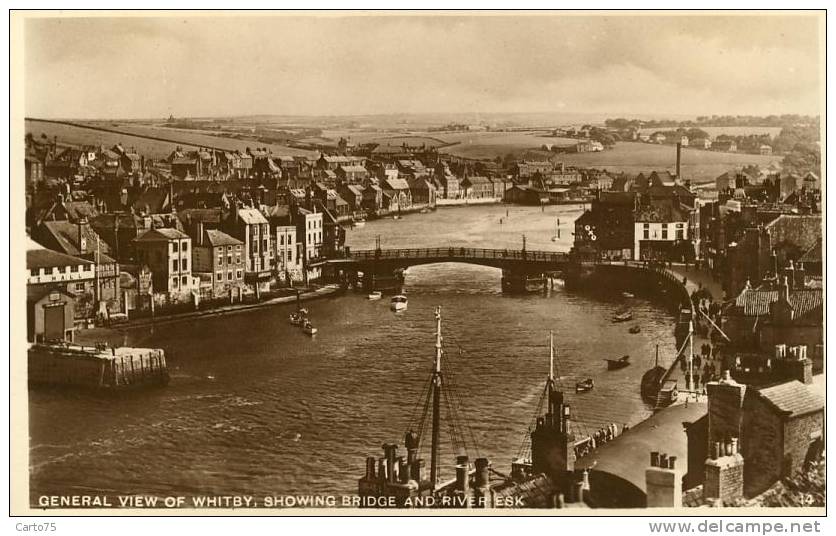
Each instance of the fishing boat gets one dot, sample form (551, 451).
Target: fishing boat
(615, 364)
(376, 295)
(635, 329)
(652, 381)
(398, 303)
(308, 328)
(296, 319)
(622, 316)
(584, 386)
(628, 295)
(359, 223)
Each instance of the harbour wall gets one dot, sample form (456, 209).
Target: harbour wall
(95, 367)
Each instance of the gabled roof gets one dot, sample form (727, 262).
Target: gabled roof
(398, 184)
(161, 235)
(477, 180)
(792, 399)
(756, 302)
(215, 238)
(65, 236)
(353, 169)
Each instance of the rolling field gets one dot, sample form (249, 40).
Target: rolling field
(697, 165)
(729, 131)
(156, 149)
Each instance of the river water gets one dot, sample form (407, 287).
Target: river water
(255, 407)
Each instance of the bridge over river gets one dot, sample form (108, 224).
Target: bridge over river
(382, 269)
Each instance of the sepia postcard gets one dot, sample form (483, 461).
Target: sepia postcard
(561, 263)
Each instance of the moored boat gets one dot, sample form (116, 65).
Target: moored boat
(635, 329)
(585, 385)
(614, 364)
(623, 316)
(628, 295)
(295, 319)
(376, 295)
(359, 223)
(398, 303)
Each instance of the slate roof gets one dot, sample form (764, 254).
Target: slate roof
(756, 302)
(161, 235)
(353, 169)
(219, 238)
(398, 184)
(793, 398)
(46, 258)
(251, 216)
(65, 236)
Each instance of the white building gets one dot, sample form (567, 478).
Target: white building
(656, 231)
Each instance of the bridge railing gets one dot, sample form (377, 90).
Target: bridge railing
(458, 253)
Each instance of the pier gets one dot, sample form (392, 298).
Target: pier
(96, 367)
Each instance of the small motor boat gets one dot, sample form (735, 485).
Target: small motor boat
(376, 295)
(295, 319)
(398, 303)
(308, 328)
(622, 316)
(635, 329)
(615, 364)
(584, 386)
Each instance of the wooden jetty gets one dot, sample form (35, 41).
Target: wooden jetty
(96, 367)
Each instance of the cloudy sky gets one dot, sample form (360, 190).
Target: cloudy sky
(344, 65)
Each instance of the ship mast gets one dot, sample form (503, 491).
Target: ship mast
(551, 360)
(436, 387)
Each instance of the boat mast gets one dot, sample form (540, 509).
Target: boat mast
(551, 359)
(691, 355)
(657, 355)
(436, 386)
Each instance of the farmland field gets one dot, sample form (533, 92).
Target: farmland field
(489, 145)
(75, 135)
(697, 165)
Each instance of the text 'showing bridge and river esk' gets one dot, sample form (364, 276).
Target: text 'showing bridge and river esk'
(382, 269)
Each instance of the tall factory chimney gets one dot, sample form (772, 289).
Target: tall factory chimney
(679, 161)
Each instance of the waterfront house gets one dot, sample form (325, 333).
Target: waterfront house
(450, 185)
(250, 226)
(80, 240)
(168, 254)
(288, 250)
(477, 187)
(499, 187)
(309, 233)
(353, 195)
(372, 198)
(522, 194)
(399, 191)
(218, 258)
(59, 291)
(607, 229)
(422, 191)
(660, 233)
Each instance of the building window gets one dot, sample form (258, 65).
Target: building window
(229, 276)
(229, 249)
(174, 247)
(185, 281)
(34, 271)
(74, 269)
(185, 247)
(173, 282)
(229, 259)
(238, 247)
(79, 287)
(680, 234)
(220, 259)
(665, 232)
(646, 233)
(174, 265)
(281, 240)
(238, 259)
(238, 274)
(219, 276)
(185, 264)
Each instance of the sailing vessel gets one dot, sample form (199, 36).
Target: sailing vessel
(403, 482)
(652, 380)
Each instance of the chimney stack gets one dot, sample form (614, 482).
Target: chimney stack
(678, 161)
(82, 237)
(725, 408)
(663, 482)
(724, 472)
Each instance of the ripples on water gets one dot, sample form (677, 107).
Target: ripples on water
(256, 407)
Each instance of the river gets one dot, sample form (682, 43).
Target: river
(255, 407)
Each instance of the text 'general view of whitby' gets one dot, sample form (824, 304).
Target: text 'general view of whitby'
(563, 310)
